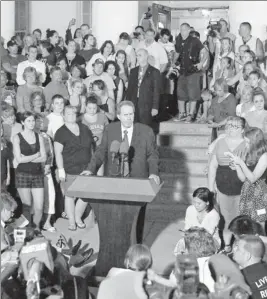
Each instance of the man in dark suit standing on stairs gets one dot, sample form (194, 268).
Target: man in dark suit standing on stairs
(144, 89)
(143, 156)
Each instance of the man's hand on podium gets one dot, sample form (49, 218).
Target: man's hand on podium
(86, 172)
(155, 178)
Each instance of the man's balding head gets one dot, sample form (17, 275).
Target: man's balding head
(142, 56)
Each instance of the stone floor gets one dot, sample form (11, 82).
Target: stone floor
(160, 234)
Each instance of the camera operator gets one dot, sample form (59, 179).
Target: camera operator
(137, 36)
(189, 51)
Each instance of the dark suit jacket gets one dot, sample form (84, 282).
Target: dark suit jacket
(149, 93)
(143, 153)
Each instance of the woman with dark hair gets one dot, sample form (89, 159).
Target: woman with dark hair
(89, 47)
(53, 37)
(112, 68)
(125, 45)
(121, 59)
(105, 103)
(201, 214)
(47, 56)
(72, 56)
(253, 171)
(29, 152)
(78, 38)
(106, 53)
(221, 171)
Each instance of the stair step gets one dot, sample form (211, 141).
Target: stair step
(184, 167)
(188, 153)
(183, 140)
(172, 127)
(179, 182)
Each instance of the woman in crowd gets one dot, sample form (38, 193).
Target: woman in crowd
(112, 68)
(246, 102)
(89, 47)
(252, 172)
(29, 152)
(222, 106)
(76, 73)
(24, 91)
(106, 52)
(53, 37)
(125, 45)
(63, 65)
(71, 55)
(49, 189)
(256, 81)
(37, 101)
(5, 157)
(221, 172)
(258, 117)
(47, 57)
(201, 214)
(77, 99)
(28, 41)
(93, 119)
(78, 38)
(73, 147)
(121, 59)
(105, 104)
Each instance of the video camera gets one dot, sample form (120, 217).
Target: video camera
(213, 27)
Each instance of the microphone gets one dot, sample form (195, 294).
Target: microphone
(124, 148)
(114, 149)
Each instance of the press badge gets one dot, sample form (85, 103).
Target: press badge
(261, 212)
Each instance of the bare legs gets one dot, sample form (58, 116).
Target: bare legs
(74, 212)
(37, 196)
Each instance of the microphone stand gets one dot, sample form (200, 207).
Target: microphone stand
(122, 157)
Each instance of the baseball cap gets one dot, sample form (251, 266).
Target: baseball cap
(99, 61)
(11, 43)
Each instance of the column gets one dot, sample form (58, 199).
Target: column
(253, 12)
(110, 18)
(7, 19)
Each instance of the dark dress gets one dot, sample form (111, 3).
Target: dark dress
(253, 198)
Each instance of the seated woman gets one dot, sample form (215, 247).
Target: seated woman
(246, 102)
(105, 104)
(137, 258)
(258, 117)
(201, 244)
(202, 214)
(222, 106)
(112, 68)
(73, 148)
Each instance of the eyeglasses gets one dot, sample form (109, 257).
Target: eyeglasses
(231, 126)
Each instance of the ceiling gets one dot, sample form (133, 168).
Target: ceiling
(193, 4)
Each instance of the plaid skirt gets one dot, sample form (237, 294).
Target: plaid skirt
(29, 180)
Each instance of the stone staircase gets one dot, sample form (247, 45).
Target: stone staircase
(183, 158)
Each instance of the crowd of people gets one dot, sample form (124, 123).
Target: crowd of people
(65, 100)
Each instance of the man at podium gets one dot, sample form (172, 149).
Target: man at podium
(127, 148)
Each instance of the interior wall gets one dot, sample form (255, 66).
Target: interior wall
(54, 15)
(7, 19)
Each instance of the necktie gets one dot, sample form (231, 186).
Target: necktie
(126, 161)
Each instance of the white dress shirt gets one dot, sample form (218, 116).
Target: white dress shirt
(130, 133)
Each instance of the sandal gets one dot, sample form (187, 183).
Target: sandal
(81, 225)
(64, 215)
(180, 117)
(72, 227)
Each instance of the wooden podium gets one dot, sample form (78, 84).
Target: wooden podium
(119, 205)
